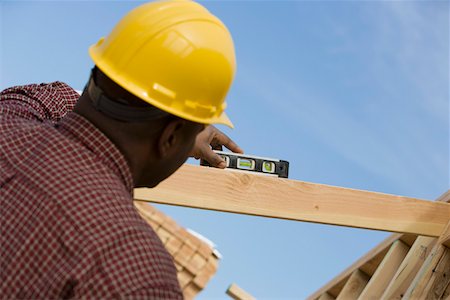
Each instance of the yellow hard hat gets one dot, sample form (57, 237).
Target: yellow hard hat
(174, 55)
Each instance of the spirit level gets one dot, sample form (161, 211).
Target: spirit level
(258, 164)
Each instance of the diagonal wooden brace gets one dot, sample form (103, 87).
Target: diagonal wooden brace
(433, 277)
(252, 194)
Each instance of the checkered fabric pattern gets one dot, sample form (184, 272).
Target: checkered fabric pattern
(68, 225)
(195, 259)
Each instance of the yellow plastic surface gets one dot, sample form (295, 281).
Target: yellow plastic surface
(174, 55)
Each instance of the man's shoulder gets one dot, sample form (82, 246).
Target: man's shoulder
(43, 90)
(56, 161)
(45, 101)
(19, 137)
(68, 175)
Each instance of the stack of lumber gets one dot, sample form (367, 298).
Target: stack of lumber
(196, 261)
(404, 266)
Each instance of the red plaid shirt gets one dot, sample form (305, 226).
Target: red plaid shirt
(68, 225)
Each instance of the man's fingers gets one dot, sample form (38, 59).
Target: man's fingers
(216, 147)
(214, 159)
(213, 138)
(223, 139)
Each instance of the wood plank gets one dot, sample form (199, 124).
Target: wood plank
(386, 271)
(334, 286)
(445, 238)
(432, 283)
(433, 278)
(379, 251)
(408, 239)
(409, 267)
(337, 288)
(446, 295)
(354, 286)
(206, 273)
(191, 291)
(445, 197)
(237, 293)
(246, 193)
(371, 266)
(326, 296)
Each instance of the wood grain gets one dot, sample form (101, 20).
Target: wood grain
(445, 238)
(354, 286)
(409, 267)
(237, 293)
(385, 271)
(433, 278)
(246, 193)
(325, 296)
(334, 286)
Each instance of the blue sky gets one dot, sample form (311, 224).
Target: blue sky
(353, 94)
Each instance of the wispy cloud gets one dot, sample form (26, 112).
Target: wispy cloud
(405, 154)
(420, 47)
(382, 153)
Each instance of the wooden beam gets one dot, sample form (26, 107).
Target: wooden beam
(445, 238)
(433, 281)
(237, 293)
(446, 295)
(433, 278)
(354, 286)
(368, 263)
(445, 197)
(409, 267)
(385, 271)
(326, 296)
(369, 260)
(246, 193)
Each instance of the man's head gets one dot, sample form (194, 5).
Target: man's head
(154, 148)
(161, 74)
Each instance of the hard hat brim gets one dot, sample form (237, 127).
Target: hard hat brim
(224, 120)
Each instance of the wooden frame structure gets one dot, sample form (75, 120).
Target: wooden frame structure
(412, 264)
(403, 266)
(196, 260)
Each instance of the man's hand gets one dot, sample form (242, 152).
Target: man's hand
(212, 138)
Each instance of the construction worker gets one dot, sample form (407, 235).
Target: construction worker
(68, 164)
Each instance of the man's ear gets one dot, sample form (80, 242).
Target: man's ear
(170, 137)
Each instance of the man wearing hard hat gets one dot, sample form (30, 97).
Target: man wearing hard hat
(68, 164)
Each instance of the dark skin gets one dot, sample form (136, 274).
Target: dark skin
(212, 138)
(154, 149)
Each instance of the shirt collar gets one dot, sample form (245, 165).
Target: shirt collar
(100, 145)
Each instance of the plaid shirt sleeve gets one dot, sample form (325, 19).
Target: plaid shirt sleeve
(40, 102)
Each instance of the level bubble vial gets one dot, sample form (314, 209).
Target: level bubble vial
(245, 164)
(268, 167)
